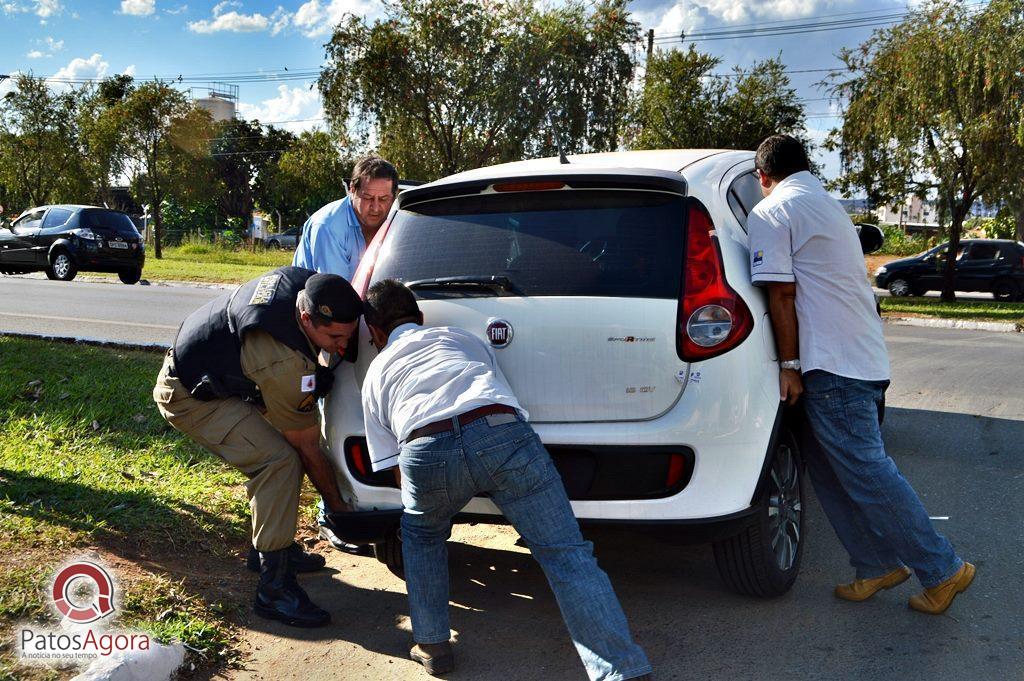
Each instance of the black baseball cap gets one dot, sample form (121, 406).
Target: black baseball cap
(334, 298)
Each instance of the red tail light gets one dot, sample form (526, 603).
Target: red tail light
(357, 457)
(361, 279)
(712, 319)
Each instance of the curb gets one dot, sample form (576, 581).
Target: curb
(168, 283)
(963, 324)
(96, 342)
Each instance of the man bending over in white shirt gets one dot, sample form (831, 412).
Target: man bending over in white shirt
(436, 405)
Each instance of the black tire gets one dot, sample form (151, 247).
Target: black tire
(764, 558)
(1005, 290)
(62, 266)
(901, 288)
(389, 552)
(129, 276)
(274, 243)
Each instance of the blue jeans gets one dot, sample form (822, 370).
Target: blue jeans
(873, 509)
(501, 455)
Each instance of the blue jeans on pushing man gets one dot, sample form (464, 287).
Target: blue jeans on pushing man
(500, 454)
(876, 514)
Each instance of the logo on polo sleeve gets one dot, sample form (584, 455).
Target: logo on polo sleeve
(758, 258)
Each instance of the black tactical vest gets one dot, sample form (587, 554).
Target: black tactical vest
(208, 348)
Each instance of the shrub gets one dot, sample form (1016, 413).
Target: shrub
(899, 243)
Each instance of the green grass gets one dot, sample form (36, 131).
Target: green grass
(208, 263)
(88, 464)
(976, 310)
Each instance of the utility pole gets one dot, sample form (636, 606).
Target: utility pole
(650, 44)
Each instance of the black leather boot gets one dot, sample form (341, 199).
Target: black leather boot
(279, 596)
(301, 560)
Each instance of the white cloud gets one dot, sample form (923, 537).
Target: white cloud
(52, 47)
(181, 9)
(291, 104)
(138, 8)
(129, 70)
(232, 21)
(13, 8)
(48, 8)
(687, 15)
(279, 20)
(93, 68)
(315, 18)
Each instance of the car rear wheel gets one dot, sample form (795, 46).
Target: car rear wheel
(764, 559)
(129, 276)
(274, 243)
(900, 287)
(389, 552)
(62, 267)
(1005, 290)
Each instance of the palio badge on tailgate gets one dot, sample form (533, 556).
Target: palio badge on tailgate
(499, 332)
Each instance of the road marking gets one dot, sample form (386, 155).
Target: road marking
(87, 321)
(938, 517)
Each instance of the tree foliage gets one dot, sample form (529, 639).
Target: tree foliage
(38, 143)
(683, 104)
(167, 142)
(310, 174)
(449, 85)
(932, 105)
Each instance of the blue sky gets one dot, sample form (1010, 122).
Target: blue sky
(80, 39)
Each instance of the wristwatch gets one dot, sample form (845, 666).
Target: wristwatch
(793, 364)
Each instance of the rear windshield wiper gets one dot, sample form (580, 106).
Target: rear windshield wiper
(495, 284)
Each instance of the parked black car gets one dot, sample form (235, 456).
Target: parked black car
(994, 265)
(64, 240)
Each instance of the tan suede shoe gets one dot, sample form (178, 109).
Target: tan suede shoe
(436, 658)
(863, 589)
(937, 599)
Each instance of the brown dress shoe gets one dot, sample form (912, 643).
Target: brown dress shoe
(863, 589)
(937, 599)
(436, 658)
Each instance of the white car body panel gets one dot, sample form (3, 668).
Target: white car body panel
(560, 360)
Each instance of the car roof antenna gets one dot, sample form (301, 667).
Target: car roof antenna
(558, 142)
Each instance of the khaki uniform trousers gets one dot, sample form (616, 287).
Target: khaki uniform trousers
(236, 431)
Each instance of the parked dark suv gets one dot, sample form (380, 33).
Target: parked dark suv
(993, 265)
(63, 240)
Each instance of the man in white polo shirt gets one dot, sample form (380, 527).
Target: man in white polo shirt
(805, 250)
(436, 404)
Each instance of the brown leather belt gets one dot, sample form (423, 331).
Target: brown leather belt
(464, 419)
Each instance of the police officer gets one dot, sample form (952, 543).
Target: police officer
(242, 379)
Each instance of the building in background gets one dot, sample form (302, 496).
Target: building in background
(220, 99)
(913, 211)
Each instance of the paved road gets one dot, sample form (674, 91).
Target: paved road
(141, 315)
(955, 425)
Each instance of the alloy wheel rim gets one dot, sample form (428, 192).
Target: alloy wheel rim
(61, 264)
(900, 288)
(785, 508)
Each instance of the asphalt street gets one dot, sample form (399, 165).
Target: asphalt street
(141, 315)
(955, 424)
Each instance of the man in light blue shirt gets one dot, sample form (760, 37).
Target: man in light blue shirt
(335, 237)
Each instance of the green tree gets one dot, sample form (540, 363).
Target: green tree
(683, 104)
(168, 149)
(312, 173)
(39, 143)
(927, 111)
(101, 124)
(244, 153)
(448, 85)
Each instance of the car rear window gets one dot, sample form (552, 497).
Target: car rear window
(108, 220)
(609, 243)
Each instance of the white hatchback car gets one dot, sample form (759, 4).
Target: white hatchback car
(615, 291)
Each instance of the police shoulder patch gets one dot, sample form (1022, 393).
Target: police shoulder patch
(265, 290)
